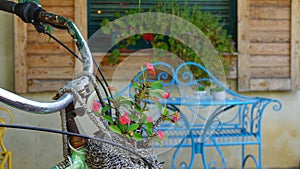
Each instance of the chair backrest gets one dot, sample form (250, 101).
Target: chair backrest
(183, 79)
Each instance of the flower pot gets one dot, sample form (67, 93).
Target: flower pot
(218, 95)
(198, 95)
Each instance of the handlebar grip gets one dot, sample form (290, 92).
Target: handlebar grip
(7, 6)
(27, 11)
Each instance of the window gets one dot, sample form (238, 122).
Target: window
(100, 9)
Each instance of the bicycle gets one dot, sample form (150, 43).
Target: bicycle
(79, 150)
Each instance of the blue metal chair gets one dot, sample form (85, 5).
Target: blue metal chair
(235, 121)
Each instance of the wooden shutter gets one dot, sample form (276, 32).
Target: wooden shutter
(268, 40)
(226, 9)
(41, 64)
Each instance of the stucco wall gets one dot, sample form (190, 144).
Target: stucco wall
(35, 150)
(30, 149)
(6, 51)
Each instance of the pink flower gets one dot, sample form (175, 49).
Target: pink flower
(160, 134)
(166, 95)
(150, 68)
(124, 119)
(149, 118)
(148, 37)
(96, 106)
(110, 88)
(175, 117)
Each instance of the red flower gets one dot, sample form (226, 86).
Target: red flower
(96, 106)
(124, 119)
(150, 68)
(160, 134)
(110, 88)
(148, 37)
(166, 95)
(149, 118)
(175, 117)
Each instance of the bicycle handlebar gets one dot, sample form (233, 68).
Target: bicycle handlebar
(33, 13)
(7, 6)
(34, 106)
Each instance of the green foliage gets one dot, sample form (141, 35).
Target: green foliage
(210, 25)
(200, 88)
(156, 85)
(216, 89)
(115, 129)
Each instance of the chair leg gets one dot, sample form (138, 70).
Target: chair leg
(260, 156)
(9, 161)
(257, 161)
(203, 155)
(243, 155)
(204, 159)
(183, 165)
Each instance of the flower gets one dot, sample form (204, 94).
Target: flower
(149, 118)
(111, 88)
(124, 119)
(175, 117)
(148, 37)
(160, 134)
(166, 95)
(96, 106)
(150, 68)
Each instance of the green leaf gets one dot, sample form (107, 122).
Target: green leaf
(126, 102)
(138, 108)
(133, 117)
(135, 85)
(167, 119)
(149, 128)
(156, 85)
(166, 112)
(133, 127)
(105, 108)
(49, 29)
(113, 59)
(157, 94)
(158, 140)
(137, 136)
(115, 129)
(108, 118)
(159, 106)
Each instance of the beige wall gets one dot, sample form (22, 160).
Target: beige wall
(30, 149)
(35, 150)
(6, 51)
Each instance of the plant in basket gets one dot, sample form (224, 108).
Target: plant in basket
(132, 117)
(130, 122)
